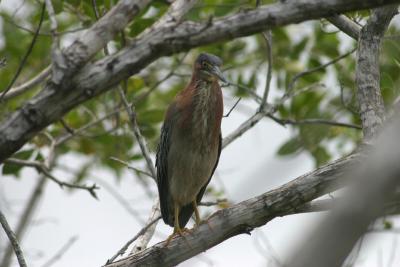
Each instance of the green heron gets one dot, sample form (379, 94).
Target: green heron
(190, 143)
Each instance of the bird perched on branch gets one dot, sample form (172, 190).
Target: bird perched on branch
(190, 143)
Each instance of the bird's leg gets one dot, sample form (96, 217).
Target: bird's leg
(177, 228)
(196, 213)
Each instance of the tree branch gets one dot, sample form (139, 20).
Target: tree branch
(94, 39)
(28, 52)
(372, 110)
(53, 102)
(43, 169)
(13, 240)
(346, 25)
(20, 89)
(245, 216)
(25, 218)
(372, 183)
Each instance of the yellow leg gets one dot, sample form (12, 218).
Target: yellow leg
(177, 228)
(196, 213)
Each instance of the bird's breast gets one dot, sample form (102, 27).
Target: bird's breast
(207, 115)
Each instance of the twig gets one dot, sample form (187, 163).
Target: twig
(25, 218)
(125, 247)
(145, 238)
(135, 128)
(61, 252)
(3, 62)
(248, 124)
(213, 203)
(67, 127)
(232, 108)
(78, 131)
(28, 52)
(312, 70)
(251, 92)
(13, 240)
(41, 33)
(18, 90)
(143, 96)
(131, 167)
(95, 9)
(43, 169)
(315, 121)
(268, 40)
(52, 16)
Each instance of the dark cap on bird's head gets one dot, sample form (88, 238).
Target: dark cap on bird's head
(208, 65)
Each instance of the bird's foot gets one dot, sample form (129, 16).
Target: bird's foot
(178, 232)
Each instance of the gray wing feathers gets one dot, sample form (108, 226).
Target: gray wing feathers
(162, 174)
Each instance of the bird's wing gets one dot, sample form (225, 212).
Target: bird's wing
(187, 211)
(162, 171)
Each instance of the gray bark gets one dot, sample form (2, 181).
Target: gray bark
(65, 92)
(374, 181)
(245, 216)
(372, 110)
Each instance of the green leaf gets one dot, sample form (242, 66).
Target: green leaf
(321, 156)
(151, 116)
(387, 224)
(290, 147)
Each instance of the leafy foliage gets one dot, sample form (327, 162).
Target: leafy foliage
(294, 50)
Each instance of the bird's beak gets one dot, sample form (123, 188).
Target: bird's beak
(217, 72)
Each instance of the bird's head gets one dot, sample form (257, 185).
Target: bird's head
(207, 68)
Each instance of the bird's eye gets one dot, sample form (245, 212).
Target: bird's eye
(204, 64)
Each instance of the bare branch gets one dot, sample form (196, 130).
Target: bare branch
(315, 121)
(346, 25)
(95, 38)
(43, 169)
(371, 184)
(145, 237)
(125, 247)
(52, 16)
(268, 40)
(372, 110)
(78, 131)
(20, 89)
(233, 107)
(13, 240)
(25, 218)
(28, 52)
(244, 217)
(244, 127)
(132, 168)
(135, 128)
(213, 203)
(55, 100)
(316, 69)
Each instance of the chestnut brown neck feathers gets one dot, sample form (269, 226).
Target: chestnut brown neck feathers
(203, 104)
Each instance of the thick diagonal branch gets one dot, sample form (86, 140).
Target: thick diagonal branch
(244, 217)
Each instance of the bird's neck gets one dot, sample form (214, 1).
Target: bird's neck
(207, 108)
